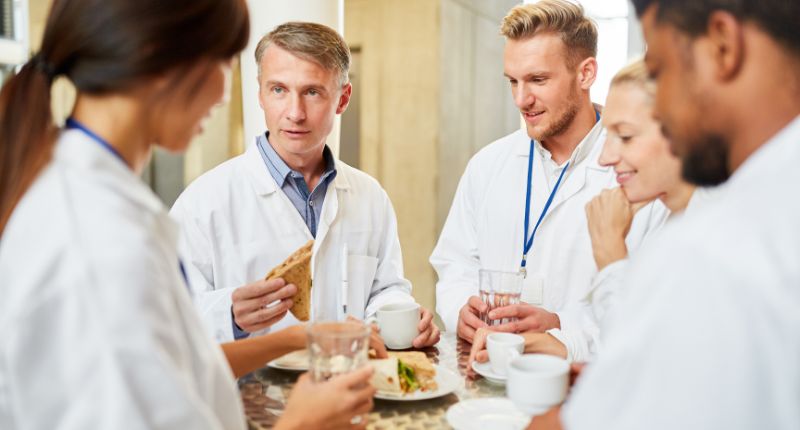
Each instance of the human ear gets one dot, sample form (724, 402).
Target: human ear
(725, 44)
(344, 99)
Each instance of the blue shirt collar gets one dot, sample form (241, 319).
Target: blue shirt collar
(281, 171)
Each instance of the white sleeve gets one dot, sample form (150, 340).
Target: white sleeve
(105, 352)
(580, 323)
(213, 303)
(606, 288)
(389, 285)
(455, 257)
(694, 348)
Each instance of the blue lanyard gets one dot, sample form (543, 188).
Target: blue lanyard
(72, 123)
(527, 243)
(185, 277)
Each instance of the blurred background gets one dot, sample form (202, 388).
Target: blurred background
(428, 92)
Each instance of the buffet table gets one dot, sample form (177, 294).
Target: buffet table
(265, 391)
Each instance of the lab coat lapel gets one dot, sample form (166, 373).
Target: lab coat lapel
(278, 204)
(583, 162)
(330, 208)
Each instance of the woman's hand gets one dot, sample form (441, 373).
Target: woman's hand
(609, 216)
(341, 402)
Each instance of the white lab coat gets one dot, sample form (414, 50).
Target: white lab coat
(584, 343)
(97, 329)
(707, 337)
(485, 226)
(238, 224)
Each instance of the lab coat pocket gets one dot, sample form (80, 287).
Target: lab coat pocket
(361, 273)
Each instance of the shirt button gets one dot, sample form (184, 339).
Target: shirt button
(311, 203)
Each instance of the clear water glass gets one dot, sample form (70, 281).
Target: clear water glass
(336, 348)
(498, 289)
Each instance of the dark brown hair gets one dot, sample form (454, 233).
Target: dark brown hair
(104, 46)
(778, 18)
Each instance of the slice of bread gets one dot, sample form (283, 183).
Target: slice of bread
(296, 269)
(423, 368)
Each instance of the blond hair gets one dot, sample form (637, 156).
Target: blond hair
(636, 73)
(312, 42)
(564, 18)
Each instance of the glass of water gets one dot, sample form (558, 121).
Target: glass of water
(336, 348)
(498, 289)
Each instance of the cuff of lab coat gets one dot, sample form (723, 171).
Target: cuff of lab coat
(563, 338)
(610, 272)
(570, 319)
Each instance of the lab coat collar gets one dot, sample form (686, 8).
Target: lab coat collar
(84, 152)
(263, 182)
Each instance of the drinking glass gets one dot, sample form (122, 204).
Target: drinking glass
(498, 289)
(336, 348)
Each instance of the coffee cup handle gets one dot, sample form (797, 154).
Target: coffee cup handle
(512, 355)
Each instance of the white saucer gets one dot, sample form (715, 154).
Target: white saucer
(496, 413)
(446, 380)
(485, 370)
(296, 361)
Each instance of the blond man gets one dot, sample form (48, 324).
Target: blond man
(245, 216)
(549, 60)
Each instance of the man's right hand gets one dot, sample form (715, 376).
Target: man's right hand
(250, 303)
(469, 318)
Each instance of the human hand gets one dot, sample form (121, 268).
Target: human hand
(428, 332)
(544, 343)
(609, 216)
(575, 370)
(478, 351)
(333, 404)
(375, 340)
(251, 310)
(550, 420)
(469, 318)
(528, 318)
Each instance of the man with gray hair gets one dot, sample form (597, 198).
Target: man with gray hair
(248, 214)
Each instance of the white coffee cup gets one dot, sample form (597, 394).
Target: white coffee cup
(537, 382)
(503, 347)
(399, 324)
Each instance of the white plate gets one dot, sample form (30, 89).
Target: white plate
(496, 413)
(485, 370)
(295, 361)
(447, 382)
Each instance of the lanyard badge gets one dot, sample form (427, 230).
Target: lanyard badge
(527, 243)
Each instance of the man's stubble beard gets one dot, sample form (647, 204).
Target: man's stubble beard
(562, 123)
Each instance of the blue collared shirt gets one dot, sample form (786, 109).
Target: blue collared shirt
(308, 203)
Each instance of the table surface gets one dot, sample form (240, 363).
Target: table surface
(265, 391)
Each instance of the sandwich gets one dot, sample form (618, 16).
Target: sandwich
(404, 373)
(296, 269)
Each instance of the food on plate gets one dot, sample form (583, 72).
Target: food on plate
(296, 269)
(404, 373)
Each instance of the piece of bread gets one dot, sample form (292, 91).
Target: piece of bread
(296, 269)
(385, 377)
(423, 368)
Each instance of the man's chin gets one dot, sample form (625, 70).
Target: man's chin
(705, 163)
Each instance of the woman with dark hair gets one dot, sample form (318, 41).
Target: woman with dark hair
(97, 329)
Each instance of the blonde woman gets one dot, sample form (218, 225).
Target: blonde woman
(646, 169)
